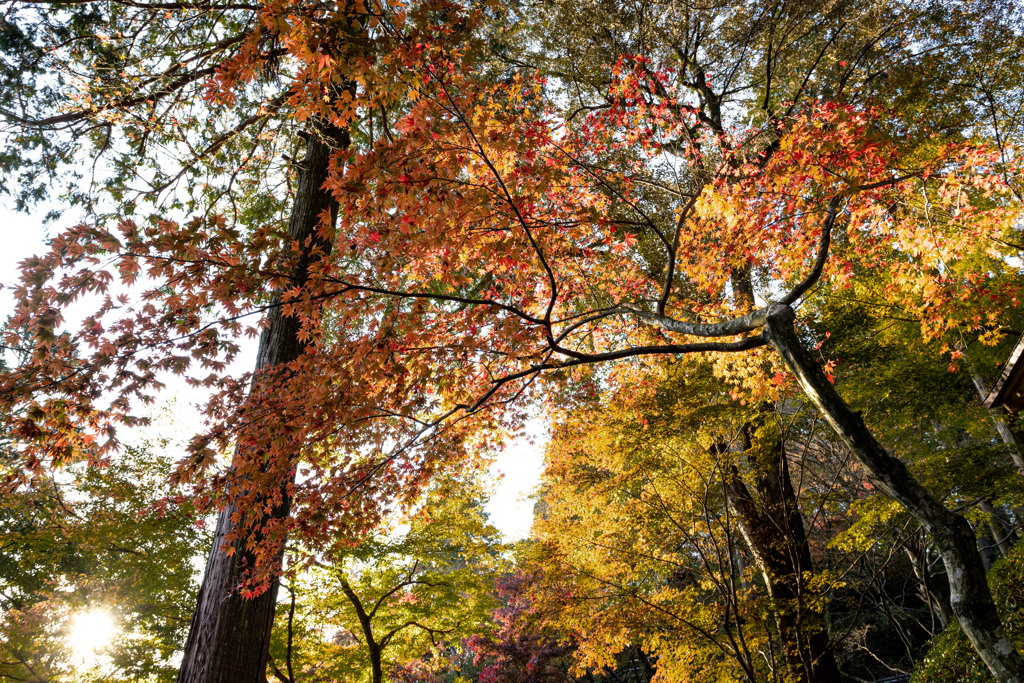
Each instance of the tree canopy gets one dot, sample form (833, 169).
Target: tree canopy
(508, 210)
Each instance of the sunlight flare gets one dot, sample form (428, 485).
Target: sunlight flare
(90, 632)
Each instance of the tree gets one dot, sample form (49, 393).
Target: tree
(230, 634)
(116, 539)
(396, 594)
(521, 647)
(129, 101)
(641, 527)
(493, 238)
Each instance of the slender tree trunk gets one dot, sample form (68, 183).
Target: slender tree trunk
(774, 533)
(936, 599)
(1005, 433)
(645, 664)
(986, 547)
(970, 598)
(1005, 537)
(229, 637)
(373, 648)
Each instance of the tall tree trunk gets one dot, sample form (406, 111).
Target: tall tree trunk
(970, 598)
(229, 637)
(774, 532)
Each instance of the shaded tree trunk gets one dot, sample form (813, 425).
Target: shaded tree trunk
(1004, 535)
(938, 603)
(373, 648)
(229, 636)
(970, 598)
(774, 532)
(986, 547)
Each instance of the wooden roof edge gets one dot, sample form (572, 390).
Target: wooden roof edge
(1012, 369)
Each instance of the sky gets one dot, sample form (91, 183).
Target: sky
(516, 470)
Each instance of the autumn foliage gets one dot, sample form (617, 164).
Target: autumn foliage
(496, 248)
(487, 239)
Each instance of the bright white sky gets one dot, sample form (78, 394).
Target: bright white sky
(519, 467)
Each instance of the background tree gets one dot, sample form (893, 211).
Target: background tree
(117, 540)
(642, 531)
(401, 593)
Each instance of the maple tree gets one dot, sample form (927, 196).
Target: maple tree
(520, 648)
(204, 134)
(490, 237)
(646, 486)
(90, 539)
(403, 591)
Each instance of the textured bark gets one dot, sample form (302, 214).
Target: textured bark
(970, 598)
(773, 530)
(229, 637)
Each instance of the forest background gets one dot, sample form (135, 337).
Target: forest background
(671, 232)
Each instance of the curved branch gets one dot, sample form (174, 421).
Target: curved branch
(758, 318)
(819, 262)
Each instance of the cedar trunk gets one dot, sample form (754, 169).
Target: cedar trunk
(229, 637)
(970, 598)
(774, 532)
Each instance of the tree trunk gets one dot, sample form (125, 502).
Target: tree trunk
(376, 668)
(938, 603)
(970, 598)
(229, 637)
(986, 548)
(1004, 536)
(774, 533)
(373, 648)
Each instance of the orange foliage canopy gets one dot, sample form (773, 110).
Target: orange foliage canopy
(485, 240)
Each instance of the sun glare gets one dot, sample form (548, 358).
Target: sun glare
(91, 631)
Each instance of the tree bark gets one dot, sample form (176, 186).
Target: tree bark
(774, 533)
(970, 598)
(229, 636)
